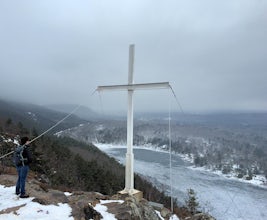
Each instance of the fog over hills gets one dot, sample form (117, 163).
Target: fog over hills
(39, 117)
(217, 140)
(82, 111)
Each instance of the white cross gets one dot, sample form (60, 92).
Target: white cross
(129, 174)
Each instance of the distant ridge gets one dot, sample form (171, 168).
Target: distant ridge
(83, 112)
(36, 116)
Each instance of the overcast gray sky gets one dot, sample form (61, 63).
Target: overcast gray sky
(213, 53)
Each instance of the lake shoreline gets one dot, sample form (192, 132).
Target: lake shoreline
(257, 180)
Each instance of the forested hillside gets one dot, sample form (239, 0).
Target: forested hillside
(234, 143)
(68, 164)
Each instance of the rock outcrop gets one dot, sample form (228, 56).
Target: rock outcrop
(83, 203)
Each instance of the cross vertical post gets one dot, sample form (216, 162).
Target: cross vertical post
(129, 173)
(130, 87)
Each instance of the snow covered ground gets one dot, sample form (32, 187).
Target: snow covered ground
(258, 180)
(27, 209)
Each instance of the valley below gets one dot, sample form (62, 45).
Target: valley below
(225, 154)
(223, 198)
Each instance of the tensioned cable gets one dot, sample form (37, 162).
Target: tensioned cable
(180, 106)
(177, 101)
(74, 110)
(6, 154)
(170, 154)
(232, 198)
(60, 121)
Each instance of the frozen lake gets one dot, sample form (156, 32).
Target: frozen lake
(225, 199)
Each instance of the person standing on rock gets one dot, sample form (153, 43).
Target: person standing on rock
(22, 159)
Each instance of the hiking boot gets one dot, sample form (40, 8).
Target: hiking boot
(17, 193)
(24, 196)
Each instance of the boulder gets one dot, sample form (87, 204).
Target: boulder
(202, 216)
(91, 213)
(131, 209)
(165, 213)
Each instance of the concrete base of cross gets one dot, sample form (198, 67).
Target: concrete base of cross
(132, 192)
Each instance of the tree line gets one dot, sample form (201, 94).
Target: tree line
(62, 163)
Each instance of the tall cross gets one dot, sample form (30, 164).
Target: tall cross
(130, 87)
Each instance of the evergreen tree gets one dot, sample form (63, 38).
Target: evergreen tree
(191, 201)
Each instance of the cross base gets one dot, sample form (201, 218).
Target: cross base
(138, 195)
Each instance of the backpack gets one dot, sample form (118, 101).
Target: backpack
(18, 158)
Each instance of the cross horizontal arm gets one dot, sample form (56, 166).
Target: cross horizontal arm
(160, 85)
